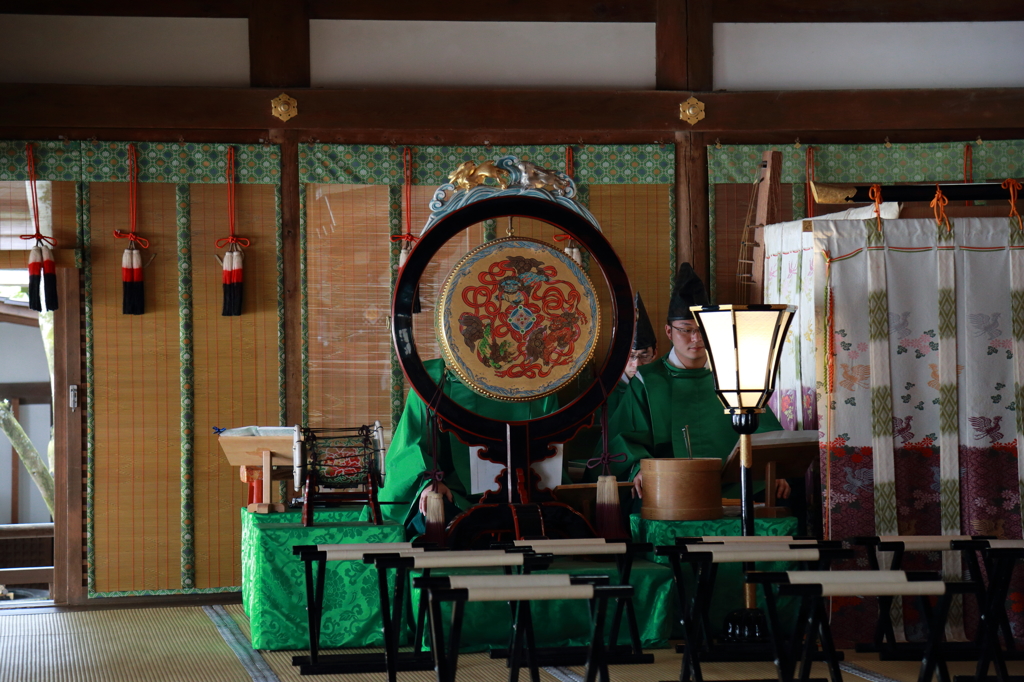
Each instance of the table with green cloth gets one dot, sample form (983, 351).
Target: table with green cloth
(561, 623)
(729, 577)
(274, 582)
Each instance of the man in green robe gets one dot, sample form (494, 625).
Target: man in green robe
(410, 460)
(644, 351)
(674, 393)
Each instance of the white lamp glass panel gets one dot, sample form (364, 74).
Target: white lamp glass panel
(720, 339)
(754, 332)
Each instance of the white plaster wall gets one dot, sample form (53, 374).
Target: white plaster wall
(482, 54)
(124, 50)
(22, 360)
(863, 56)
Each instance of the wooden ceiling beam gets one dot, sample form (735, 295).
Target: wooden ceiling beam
(625, 11)
(858, 11)
(442, 110)
(209, 9)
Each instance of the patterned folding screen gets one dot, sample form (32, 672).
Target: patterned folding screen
(161, 501)
(629, 189)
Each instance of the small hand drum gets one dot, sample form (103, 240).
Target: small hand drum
(340, 467)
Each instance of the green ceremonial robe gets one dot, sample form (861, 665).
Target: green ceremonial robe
(409, 456)
(650, 419)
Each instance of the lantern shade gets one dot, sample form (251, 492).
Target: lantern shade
(744, 344)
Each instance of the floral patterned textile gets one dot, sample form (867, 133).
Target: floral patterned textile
(918, 377)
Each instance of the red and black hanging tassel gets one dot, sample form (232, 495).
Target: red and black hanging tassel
(41, 268)
(232, 262)
(133, 300)
(407, 238)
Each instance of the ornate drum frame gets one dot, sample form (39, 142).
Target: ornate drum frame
(558, 426)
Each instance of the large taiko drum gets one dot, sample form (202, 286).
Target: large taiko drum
(677, 489)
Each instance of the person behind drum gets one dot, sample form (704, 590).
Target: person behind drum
(643, 352)
(674, 393)
(410, 467)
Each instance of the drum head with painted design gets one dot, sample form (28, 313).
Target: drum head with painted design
(517, 319)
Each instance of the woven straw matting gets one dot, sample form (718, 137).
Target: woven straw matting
(182, 643)
(144, 645)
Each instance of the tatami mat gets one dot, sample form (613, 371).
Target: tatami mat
(129, 645)
(183, 643)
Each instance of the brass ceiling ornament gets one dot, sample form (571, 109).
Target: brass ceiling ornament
(284, 107)
(692, 110)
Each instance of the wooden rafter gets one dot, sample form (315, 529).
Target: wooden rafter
(413, 110)
(754, 11)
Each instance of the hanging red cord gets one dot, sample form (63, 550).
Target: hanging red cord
(875, 194)
(938, 205)
(809, 179)
(41, 266)
(1014, 186)
(132, 295)
(406, 237)
(232, 264)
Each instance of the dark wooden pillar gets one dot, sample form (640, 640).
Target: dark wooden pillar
(289, 141)
(279, 44)
(683, 35)
(68, 428)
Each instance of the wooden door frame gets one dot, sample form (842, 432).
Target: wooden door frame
(68, 432)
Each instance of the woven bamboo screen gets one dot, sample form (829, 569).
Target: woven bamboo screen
(137, 404)
(348, 251)
(16, 219)
(235, 362)
(636, 220)
(732, 202)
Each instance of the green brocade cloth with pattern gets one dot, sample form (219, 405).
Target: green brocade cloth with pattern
(274, 582)
(561, 623)
(729, 580)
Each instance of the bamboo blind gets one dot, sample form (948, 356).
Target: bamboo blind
(236, 365)
(16, 219)
(732, 202)
(635, 219)
(348, 251)
(136, 398)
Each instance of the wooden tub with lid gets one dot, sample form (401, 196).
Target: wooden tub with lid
(677, 489)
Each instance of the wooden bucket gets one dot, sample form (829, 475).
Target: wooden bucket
(681, 489)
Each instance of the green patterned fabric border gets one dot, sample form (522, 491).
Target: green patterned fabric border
(639, 164)
(998, 160)
(738, 163)
(378, 164)
(304, 306)
(395, 228)
(190, 162)
(183, 203)
(91, 161)
(56, 160)
(84, 214)
(916, 162)
(281, 373)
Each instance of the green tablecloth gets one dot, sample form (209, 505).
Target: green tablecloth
(274, 583)
(728, 585)
(567, 622)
